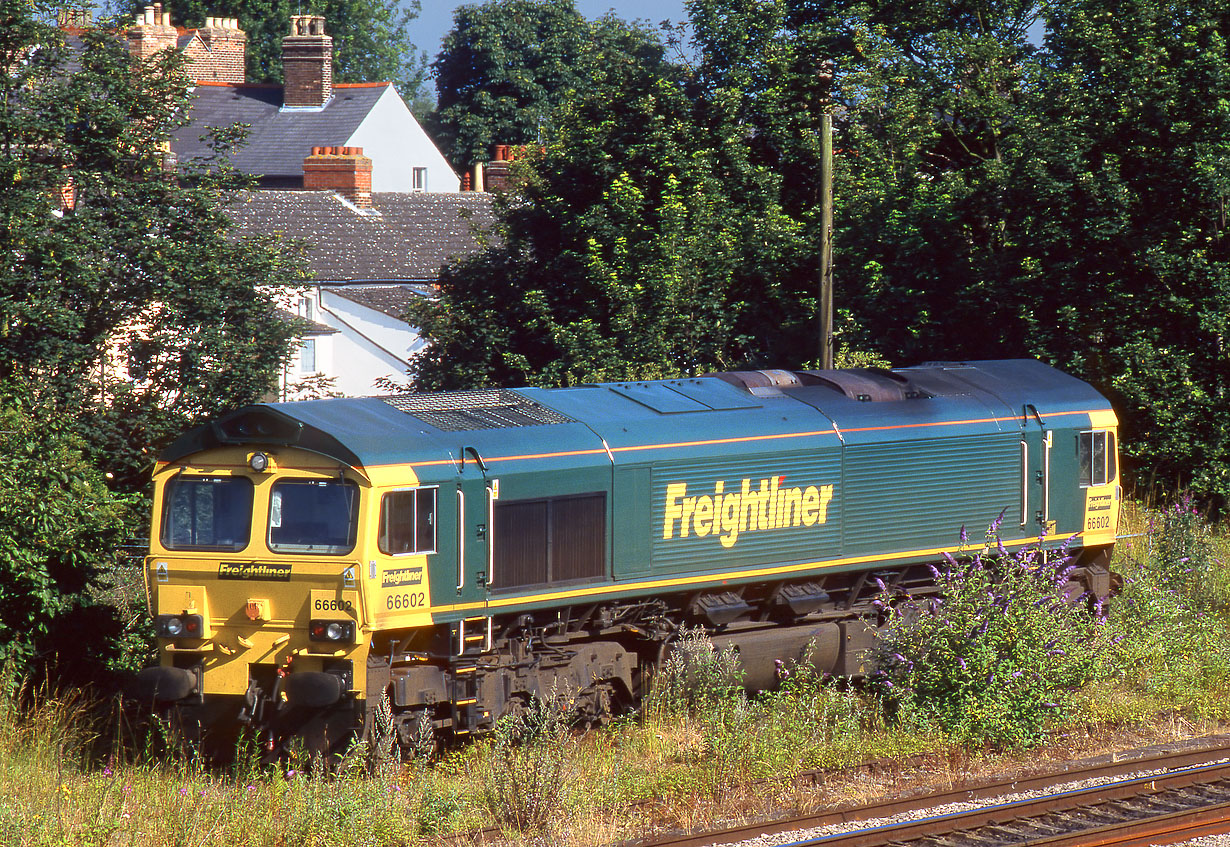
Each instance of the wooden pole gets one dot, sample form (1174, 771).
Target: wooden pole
(826, 241)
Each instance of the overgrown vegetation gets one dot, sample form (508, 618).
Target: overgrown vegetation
(974, 677)
(996, 656)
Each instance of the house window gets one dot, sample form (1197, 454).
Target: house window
(1095, 453)
(307, 356)
(305, 308)
(408, 522)
(418, 179)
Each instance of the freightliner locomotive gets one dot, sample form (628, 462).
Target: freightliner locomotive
(443, 558)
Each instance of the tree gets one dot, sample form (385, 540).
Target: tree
(371, 38)
(60, 527)
(503, 68)
(642, 241)
(138, 274)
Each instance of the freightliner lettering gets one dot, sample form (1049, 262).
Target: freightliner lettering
(768, 506)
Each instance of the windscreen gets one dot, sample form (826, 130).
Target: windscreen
(313, 516)
(207, 513)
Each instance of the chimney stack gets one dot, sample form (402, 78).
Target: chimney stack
(344, 170)
(307, 63)
(227, 45)
(152, 33)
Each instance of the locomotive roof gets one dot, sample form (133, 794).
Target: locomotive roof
(594, 420)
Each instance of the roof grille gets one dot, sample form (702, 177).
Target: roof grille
(458, 411)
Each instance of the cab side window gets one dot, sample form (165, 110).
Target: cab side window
(408, 521)
(1095, 453)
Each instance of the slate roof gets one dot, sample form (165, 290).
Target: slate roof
(313, 327)
(277, 141)
(410, 239)
(392, 300)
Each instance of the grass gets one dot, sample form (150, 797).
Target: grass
(701, 755)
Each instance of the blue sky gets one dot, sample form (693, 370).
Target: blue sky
(437, 16)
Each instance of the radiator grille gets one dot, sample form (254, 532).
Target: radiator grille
(458, 411)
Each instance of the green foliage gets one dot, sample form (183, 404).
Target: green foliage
(60, 528)
(525, 786)
(995, 657)
(642, 241)
(503, 68)
(371, 38)
(695, 675)
(1170, 618)
(132, 313)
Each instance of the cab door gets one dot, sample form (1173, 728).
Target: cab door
(1036, 443)
(474, 512)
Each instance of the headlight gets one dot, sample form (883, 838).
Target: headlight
(338, 631)
(179, 626)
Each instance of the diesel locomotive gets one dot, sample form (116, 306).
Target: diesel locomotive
(437, 560)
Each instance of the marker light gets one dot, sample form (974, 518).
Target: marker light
(331, 631)
(259, 462)
(180, 626)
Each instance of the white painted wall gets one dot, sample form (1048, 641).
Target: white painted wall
(396, 144)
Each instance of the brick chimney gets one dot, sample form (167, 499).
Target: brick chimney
(227, 45)
(342, 169)
(152, 33)
(307, 63)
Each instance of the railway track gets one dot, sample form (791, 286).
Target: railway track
(1186, 797)
(1158, 809)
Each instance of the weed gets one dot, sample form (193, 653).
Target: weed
(1170, 619)
(695, 675)
(525, 780)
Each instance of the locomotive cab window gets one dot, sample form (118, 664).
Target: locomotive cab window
(313, 516)
(408, 522)
(207, 513)
(1095, 453)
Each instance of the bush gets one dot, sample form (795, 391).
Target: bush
(993, 658)
(524, 786)
(694, 675)
(1169, 620)
(60, 528)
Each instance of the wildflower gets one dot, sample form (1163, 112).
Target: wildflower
(290, 774)
(126, 815)
(183, 792)
(106, 771)
(964, 534)
(251, 787)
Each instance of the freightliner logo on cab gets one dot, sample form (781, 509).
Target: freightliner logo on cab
(270, 571)
(766, 504)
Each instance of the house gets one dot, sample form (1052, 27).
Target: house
(286, 121)
(371, 255)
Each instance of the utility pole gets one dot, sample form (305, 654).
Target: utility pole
(826, 240)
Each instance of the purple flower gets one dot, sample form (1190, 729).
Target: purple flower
(183, 792)
(106, 771)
